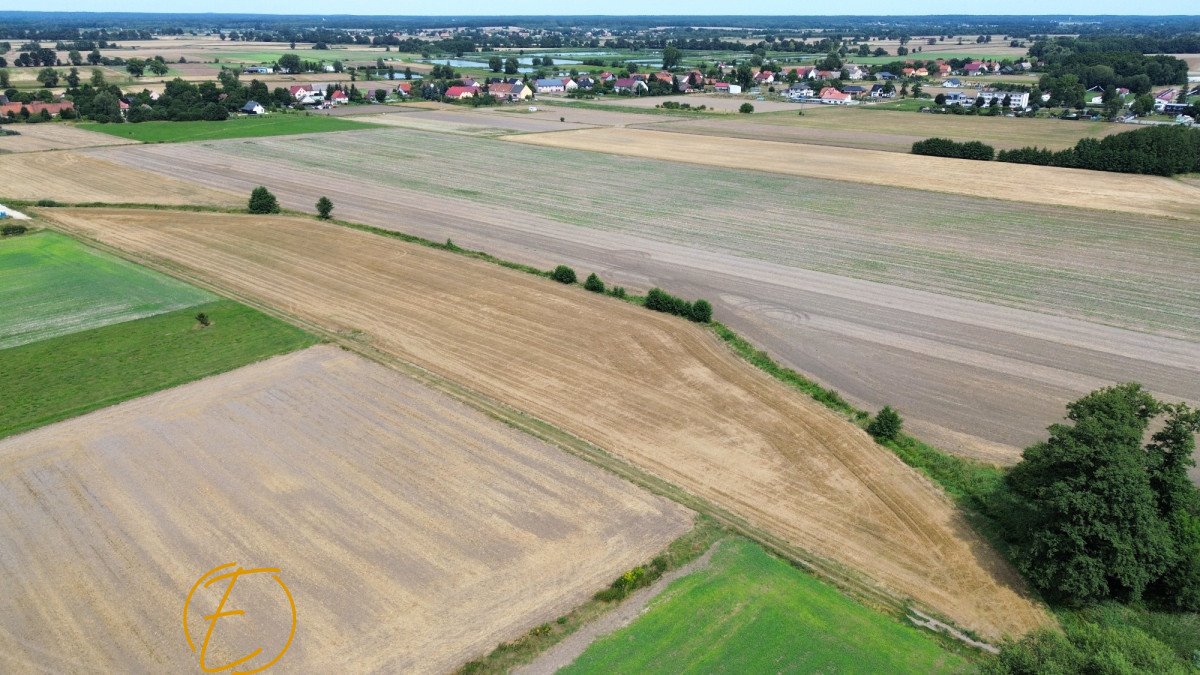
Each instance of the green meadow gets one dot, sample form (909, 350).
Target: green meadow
(272, 124)
(749, 612)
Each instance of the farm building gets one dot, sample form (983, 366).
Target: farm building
(510, 91)
(253, 108)
(339, 97)
(727, 88)
(550, 85)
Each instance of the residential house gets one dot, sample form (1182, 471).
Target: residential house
(1016, 99)
(885, 75)
(727, 88)
(510, 91)
(306, 96)
(253, 108)
(880, 91)
(855, 72)
(664, 76)
(952, 83)
(461, 91)
(569, 84)
(827, 74)
(338, 97)
(943, 69)
(632, 85)
(585, 82)
(607, 77)
(404, 89)
(855, 90)
(764, 77)
(1167, 95)
(804, 72)
(832, 96)
(799, 92)
(550, 85)
(258, 70)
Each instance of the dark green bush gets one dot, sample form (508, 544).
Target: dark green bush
(563, 275)
(1159, 150)
(944, 147)
(47, 202)
(594, 284)
(11, 230)
(617, 292)
(887, 424)
(262, 201)
(701, 311)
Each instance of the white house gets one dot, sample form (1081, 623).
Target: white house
(550, 86)
(253, 108)
(727, 88)
(1017, 99)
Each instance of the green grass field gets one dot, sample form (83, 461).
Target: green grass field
(58, 378)
(53, 285)
(273, 124)
(749, 612)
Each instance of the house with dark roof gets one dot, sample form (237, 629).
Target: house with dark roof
(550, 85)
(253, 108)
(885, 75)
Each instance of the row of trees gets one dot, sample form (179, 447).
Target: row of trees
(1158, 150)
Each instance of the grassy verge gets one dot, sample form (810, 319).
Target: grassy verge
(751, 612)
(509, 655)
(273, 124)
(62, 377)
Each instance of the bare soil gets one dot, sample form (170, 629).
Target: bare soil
(652, 389)
(414, 533)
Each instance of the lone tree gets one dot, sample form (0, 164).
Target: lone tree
(1098, 515)
(324, 208)
(563, 275)
(887, 425)
(262, 201)
(701, 311)
(203, 319)
(594, 284)
(746, 108)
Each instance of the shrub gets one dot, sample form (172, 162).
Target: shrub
(47, 202)
(262, 201)
(324, 208)
(203, 319)
(594, 284)
(887, 425)
(563, 275)
(746, 108)
(1159, 150)
(701, 312)
(617, 292)
(11, 230)
(661, 301)
(944, 147)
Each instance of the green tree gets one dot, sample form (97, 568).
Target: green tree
(94, 57)
(289, 63)
(511, 66)
(75, 57)
(1088, 526)
(671, 57)
(157, 67)
(324, 208)
(262, 201)
(135, 67)
(886, 425)
(73, 78)
(495, 64)
(746, 108)
(4, 78)
(563, 275)
(701, 311)
(48, 77)
(594, 284)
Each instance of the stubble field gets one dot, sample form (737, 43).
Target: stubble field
(1142, 195)
(652, 389)
(75, 178)
(39, 137)
(895, 131)
(878, 292)
(413, 532)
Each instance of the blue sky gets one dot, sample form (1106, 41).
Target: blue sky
(515, 7)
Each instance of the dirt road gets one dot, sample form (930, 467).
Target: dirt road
(655, 390)
(414, 532)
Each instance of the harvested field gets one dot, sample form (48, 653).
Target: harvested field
(39, 137)
(1142, 195)
(801, 271)
(412, 531)
(653, 389)
(75, 178)
(53, 286)
(715, 102)
(893, 130)
(468, 122)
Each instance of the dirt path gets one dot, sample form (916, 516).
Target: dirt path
(564, 653)
(656, 391)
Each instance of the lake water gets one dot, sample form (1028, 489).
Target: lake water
(463, 63)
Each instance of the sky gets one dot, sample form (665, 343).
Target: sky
(613, 7)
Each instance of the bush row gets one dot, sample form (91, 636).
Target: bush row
(11, 230)
(661, 301)
(944, 147)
